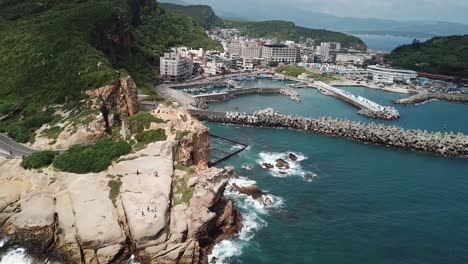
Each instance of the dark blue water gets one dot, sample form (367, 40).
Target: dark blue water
(367, 204)
(385, 42)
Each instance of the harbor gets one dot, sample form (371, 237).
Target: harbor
(200, 93)
(439, 143)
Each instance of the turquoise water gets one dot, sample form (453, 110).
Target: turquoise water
(434, 116)
(366, 204)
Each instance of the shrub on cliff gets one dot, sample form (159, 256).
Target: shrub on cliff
(39, 160)
(142, 120)
(150, 136)
(91, 158)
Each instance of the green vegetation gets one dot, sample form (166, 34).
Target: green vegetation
(183, 192)
(114, 191)
(21, 127)
(284, 30)
(52, 132)
(181, 134)
(150, 136)
(91, 158)
(52, 51)
(203, 14)
(143, 120)
(187, 169)
(293, 70)
(440, 55)
(39, 160)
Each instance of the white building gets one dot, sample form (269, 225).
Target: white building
(251, 52)
(389, 75)
(351, 58)
(324, 51)
(174, 67)
(235, 47)
(281, 54)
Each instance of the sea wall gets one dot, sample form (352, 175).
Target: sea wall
(424, 97)
(450, 145)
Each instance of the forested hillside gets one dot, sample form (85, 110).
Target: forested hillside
(440, 55)
(282, 30)
(53, 50)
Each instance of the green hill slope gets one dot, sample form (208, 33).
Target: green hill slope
(203, 14)
(284, 30)
(53, 50)
(440, 55)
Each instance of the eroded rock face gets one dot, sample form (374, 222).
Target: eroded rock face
(123, 92)
(73, 218)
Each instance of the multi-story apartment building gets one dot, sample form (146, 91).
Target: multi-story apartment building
(281, 54)
(251, 52)
(174, 67)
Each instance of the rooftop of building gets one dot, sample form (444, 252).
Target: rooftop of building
(390, 69)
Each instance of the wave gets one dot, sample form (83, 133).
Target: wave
(15, 256)
(253, 213)
(295, 167)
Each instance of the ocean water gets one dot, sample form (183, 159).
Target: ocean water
(348, 202)
(385, 42)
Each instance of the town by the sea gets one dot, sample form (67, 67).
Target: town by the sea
(343, 201)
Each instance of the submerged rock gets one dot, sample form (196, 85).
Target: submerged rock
(254, 192)
(282, 164)
(292, 157)
(268, 166)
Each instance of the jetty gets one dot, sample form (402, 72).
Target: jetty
(424, 97)
(443, 144)
(367, 107)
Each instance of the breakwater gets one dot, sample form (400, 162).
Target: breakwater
(444, 144)
(293, 94)
(367, 107)
(424, 97)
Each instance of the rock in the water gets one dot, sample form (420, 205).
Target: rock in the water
(282, 164)
(268, 165)
(254, 192)
(292, 157)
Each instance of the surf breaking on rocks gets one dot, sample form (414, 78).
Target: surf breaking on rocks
(439, 143)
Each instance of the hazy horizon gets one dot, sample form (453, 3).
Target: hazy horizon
(401, 10)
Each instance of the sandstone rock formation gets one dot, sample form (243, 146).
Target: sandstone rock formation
(73, 218)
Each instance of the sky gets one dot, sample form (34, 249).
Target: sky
(426, 10)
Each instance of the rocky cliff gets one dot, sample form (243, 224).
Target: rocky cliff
(146, 204)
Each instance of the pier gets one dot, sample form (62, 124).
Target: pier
(367, 107)
(443, 144)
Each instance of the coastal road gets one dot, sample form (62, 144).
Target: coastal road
(8, 146)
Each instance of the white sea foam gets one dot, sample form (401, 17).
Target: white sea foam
(271, 158)
(252, 211)
(3, 242)
(16, 256)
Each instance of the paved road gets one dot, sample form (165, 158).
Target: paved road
(8, 146)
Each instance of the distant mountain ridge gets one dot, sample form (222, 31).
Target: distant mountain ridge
(282, 30)
(256, 12)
